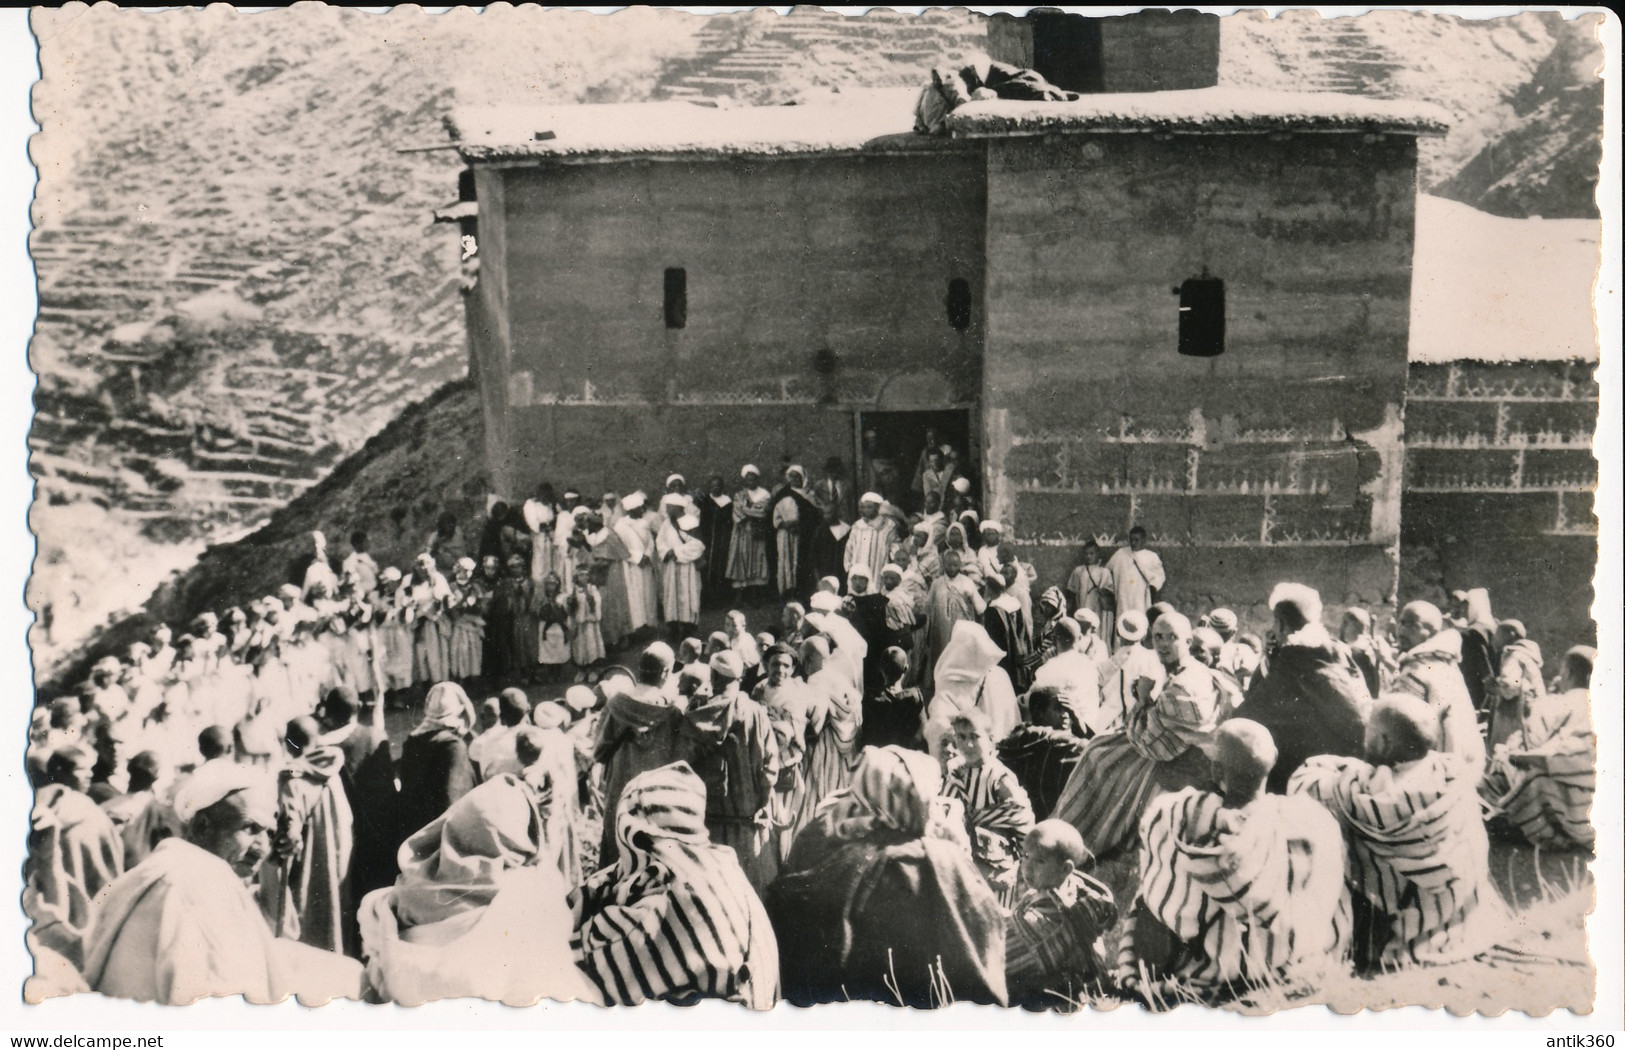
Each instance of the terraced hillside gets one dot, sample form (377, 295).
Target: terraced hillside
(239, 283)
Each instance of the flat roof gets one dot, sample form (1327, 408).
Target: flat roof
(883, 121)
(1486, 288)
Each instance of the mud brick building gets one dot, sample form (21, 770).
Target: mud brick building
(1185, 309)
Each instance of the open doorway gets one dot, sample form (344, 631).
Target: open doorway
(891, 446)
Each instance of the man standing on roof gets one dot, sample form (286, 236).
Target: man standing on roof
(1137, 574)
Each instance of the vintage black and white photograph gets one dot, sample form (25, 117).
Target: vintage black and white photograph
(1053, 510)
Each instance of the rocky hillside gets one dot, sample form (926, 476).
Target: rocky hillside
(239, 282)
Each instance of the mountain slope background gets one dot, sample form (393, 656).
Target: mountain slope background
(239, 284)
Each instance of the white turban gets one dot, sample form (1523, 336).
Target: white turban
(991, 524)
(677, 478)
(823, 601)
(749, 468)
(961, 485)
(212, 782)
(871, 497)
(632, 502)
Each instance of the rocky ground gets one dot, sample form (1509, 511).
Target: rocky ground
(240, 284)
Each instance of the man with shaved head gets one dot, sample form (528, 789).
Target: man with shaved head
(1238, 888)
(1164, 747)
(1309, 694)
(1418, 869)
(183, 924)
(1430, 668)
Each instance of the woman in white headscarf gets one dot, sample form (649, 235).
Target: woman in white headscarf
(478, 910)
(968, 675)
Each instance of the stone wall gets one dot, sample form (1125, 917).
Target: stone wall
(785, 259)
(1281, 458)
(1499, 487)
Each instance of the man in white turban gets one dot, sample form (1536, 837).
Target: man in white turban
(182, 925)
(869, 542)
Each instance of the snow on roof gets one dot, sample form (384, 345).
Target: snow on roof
(847, 122)
(1203, 109)
(1484, 288)
(883, 120)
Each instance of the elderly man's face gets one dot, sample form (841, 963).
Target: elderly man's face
(238, 830)
(1169, 642)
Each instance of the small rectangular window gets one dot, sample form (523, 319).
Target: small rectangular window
(1201, 317)
(959, 303)
(676, 297)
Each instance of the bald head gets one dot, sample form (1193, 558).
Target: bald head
(1054, 850)
(1400, 728)
(1246, 753)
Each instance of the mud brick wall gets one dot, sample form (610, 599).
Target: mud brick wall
(1499, 483)
(1281, 458)
(785, 258)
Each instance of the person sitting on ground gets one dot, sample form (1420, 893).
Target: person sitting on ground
(1164, 748)
(1310, 697)
(474, 912)
(880, 900)
(998, 813)
(968, 677)
(635, 919)
(183, 924)
(434, 770)
(637, 732)
(1430, 668)
(1043, 751)
(1239, 889)
(1075, 678)
(1418, 867)
(1543, 778)
(74, 854)
(492, 753)
(1517, 685)
(1054, 951)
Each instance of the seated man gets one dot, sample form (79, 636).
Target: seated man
(1418, 868)
(1238, 889)
(998, 814)
(182, 924)
(1431, 668)
(635, 920)
(1309, 696)
(1165, 747)
(1053, 952)
(74, 853)
(478, 909)
(1077, 677)
(1542, 779)
(1043, 751)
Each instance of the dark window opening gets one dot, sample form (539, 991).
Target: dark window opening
(1201, 316)
(465, 185)
(676, 297)
(959, 303)
(1067, 51)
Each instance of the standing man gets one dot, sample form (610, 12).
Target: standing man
(1137, 574)
(1091, 587)
(869, 542)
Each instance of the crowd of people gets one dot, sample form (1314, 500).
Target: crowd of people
(900, 788)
